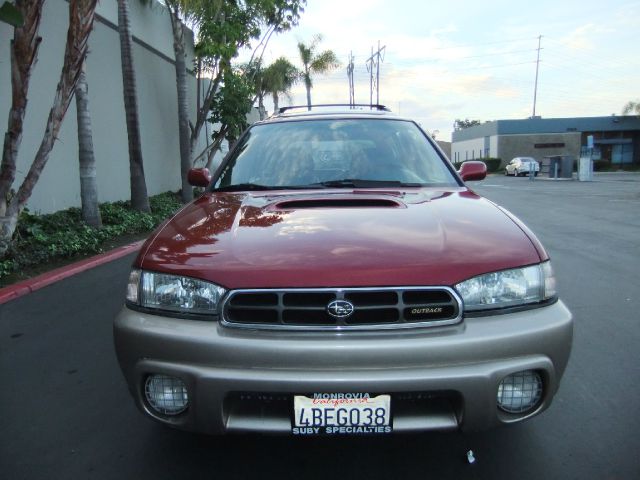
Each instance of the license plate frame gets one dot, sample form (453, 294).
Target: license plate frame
(341, 414)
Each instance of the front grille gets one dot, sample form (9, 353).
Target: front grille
(373, 308)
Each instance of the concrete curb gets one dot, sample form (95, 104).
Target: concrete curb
(36, 283)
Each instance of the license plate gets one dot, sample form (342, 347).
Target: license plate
(341, 413)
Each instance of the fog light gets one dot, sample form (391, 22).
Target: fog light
(166, 395)
(520, 392)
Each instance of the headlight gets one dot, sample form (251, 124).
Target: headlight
(508, 288)
(172, 292)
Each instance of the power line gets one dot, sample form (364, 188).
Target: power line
(498, 42)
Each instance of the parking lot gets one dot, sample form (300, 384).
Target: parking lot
(66, 412)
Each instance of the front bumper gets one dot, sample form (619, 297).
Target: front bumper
(439, 378)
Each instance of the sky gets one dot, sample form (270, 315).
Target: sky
(474, 59)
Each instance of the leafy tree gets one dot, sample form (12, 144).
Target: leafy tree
(314, 62)
(631, 108)
(24, 53)
(24, 48)
(139, 196)
(466, 123)
(224, 27)
(231, 104)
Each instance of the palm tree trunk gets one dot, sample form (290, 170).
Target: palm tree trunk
(81, 15)
(88, 183)
(261, 110)
(183, 103)
(275, 102)
(139, 197)
(308, 85)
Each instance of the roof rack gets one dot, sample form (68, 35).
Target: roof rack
(348, 105)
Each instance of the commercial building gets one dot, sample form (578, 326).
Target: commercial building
(616, 139)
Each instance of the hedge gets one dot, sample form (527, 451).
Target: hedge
(41, 239)
(493, 164)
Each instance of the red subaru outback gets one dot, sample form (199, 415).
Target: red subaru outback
(338, 277)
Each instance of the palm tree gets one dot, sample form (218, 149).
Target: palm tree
(139, 197)
(275, 79)
(314, 62)
(631, 108)
(88, 183)
(176, 9)
(279, 77)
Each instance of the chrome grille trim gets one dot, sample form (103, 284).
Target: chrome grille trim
(339, 293)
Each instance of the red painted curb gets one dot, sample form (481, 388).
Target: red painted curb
(36, 283)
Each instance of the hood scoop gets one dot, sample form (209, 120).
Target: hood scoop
(307, 203)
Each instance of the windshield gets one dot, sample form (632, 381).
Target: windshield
(335, 153)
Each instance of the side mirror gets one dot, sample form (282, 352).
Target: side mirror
(199, 177)
(473, 171)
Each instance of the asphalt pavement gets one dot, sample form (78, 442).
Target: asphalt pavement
(65, 412)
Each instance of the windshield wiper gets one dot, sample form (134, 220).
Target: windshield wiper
(240, 187)
(345, 183)
(356, 183)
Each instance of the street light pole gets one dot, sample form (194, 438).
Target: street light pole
(535, 89)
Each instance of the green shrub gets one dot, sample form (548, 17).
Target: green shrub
(493, 164)
(42, 238)
(601, 165)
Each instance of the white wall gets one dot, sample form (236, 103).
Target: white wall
(59, 185)
(493, 146)
(467, 150)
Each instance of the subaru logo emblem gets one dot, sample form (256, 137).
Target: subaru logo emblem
(340, 308)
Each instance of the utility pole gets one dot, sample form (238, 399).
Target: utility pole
(535, 89)
(352, 98)
(374, 61)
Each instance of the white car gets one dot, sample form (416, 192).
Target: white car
(522, 165)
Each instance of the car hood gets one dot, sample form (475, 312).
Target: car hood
(337, 238)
